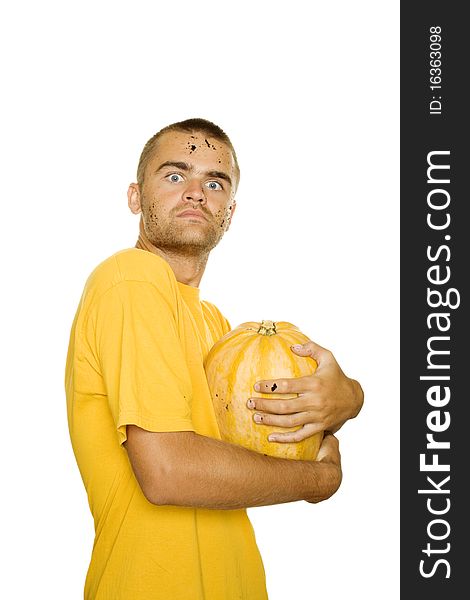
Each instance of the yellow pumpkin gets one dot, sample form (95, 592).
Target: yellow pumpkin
(249, 353)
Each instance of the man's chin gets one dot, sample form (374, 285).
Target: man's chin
(191, 243)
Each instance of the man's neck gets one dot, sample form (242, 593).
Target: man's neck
(187, 269)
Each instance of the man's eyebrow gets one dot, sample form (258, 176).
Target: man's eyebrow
(170, 163)
(185, 167)
(220, 175)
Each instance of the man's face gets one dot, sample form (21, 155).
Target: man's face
(187, 197)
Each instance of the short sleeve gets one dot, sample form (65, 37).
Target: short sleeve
(141, 358)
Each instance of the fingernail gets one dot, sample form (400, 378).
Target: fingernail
(272, 438)
(258, 418)
(250, 403)
(296, 347)
(257, 387)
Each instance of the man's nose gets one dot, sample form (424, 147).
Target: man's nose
(194, 192)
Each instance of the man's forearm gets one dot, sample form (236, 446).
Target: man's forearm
(358, 401)
(187, 469)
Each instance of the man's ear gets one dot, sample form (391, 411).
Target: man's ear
(231, 210)
(133, 198)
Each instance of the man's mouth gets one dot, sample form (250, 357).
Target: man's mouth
(192, 214)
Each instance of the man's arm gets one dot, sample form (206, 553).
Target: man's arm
(188, 469)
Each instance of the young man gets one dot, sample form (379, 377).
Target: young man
(168, 497)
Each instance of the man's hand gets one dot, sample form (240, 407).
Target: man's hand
(329, 455)
(325, 401)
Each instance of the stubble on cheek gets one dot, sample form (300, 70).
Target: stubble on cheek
(152, 213)
(220, 218)
(151, 220)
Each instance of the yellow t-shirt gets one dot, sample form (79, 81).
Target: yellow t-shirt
(136, 352)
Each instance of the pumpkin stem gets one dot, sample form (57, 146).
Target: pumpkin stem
(267, 328)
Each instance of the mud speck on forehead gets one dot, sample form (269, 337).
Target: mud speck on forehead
(191, 146)
(209, 145)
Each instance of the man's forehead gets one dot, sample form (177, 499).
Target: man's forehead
(191, 147)
(193, 142)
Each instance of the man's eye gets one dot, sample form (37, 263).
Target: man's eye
(214, 185)
(175, 177)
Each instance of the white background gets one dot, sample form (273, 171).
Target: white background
(308, 93)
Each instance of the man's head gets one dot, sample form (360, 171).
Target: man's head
(186, 182)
